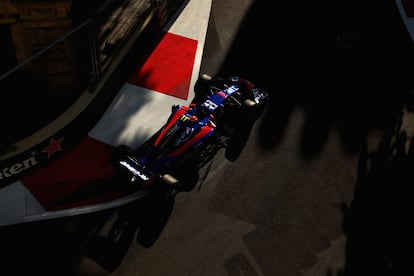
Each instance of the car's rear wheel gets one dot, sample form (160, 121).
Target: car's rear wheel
(155, 221)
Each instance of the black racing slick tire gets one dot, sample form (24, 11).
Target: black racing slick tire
(154, 223)
(201, 88)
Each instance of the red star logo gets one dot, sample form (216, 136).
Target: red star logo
(53, 147)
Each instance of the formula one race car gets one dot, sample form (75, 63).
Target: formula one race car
(193, 133)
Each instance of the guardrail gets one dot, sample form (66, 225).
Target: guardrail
(42, 87)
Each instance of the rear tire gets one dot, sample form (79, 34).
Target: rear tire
(155, 221)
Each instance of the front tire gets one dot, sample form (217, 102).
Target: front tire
(201, 89)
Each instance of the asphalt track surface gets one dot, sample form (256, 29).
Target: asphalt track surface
(322, 184)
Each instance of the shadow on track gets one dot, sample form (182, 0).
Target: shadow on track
(349, 67)
(144, 220)
(377, 222)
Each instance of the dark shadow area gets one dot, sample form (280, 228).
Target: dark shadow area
(346, 64)
(7, 56)
(46, 247)
(377, 223)
(28, 105)
(142, 220)
(371, 223)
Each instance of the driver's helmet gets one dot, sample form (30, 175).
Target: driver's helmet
(245, 86)
(242, 82)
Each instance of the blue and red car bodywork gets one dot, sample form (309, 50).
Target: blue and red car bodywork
(188, 128)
